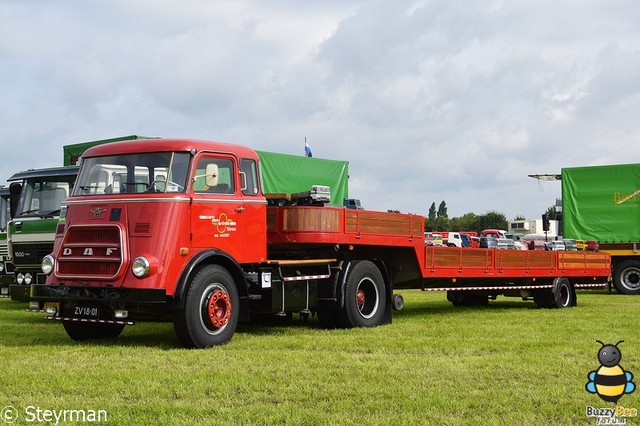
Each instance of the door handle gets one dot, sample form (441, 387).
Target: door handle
(239, 209)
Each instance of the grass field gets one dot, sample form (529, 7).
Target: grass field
(507, 363)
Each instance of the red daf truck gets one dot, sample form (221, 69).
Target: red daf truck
(181, 231)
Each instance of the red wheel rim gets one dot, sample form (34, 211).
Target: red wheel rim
(219, 309)
(360, 299)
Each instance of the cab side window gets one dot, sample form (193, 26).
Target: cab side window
(214, 176)
(249, 175)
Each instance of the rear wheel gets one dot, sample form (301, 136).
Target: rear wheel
(561, 295)
(565, 295)
(626, 277)
(211, 310)
(364, 301)
(80, 331)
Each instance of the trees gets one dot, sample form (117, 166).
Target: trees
(439, 220)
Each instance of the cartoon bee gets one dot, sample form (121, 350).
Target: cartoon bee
(610, 381)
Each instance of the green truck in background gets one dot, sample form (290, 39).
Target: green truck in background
(602, 203)
(6, 267)
(35, 203)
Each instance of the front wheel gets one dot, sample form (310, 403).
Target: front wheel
(211, 311)
(364, 301)
(626, 277)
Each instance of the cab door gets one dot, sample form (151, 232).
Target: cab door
(218, 219)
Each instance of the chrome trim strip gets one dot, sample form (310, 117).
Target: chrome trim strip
(128, 200)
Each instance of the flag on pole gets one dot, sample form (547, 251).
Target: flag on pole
(307, 149)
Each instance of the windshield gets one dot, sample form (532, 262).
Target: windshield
(43, 196)
(133, 174)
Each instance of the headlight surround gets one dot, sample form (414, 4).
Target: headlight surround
(48, 263)
(140, 267)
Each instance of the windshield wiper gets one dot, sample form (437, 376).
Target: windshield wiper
(51, 214)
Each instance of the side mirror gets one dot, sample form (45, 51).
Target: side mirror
(211, 175)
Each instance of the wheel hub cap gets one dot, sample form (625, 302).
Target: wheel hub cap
(219, 309)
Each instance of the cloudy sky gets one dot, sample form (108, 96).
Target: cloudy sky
(427, 100)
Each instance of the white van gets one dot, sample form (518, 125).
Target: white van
(454, 239)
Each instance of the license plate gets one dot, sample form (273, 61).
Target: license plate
(86, 312)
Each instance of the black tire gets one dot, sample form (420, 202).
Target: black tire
(364, 296)
(211, 309)
(626, 277)
(80, 331)
(561, 295)
(564, 294)
(456, 297)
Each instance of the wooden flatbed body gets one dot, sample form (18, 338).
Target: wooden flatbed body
(437, 266)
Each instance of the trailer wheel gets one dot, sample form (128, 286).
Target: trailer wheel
(561, 295)
(626, 277)
(80, 331)
(211, 310)
(364, 296)
(565, 295)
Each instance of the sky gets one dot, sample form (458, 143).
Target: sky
(429, 101)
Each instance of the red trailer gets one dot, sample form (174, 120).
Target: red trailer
(179, 230)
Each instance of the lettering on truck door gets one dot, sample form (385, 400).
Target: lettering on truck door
(218, 212)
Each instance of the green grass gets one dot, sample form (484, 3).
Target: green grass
(436, 364)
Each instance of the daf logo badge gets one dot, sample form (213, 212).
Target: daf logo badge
(97, 211)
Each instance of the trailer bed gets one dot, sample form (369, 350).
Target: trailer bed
(338, 225)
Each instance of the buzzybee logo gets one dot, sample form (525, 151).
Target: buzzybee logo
(610, 381)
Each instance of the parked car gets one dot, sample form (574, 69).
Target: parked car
(593, 245)
(581, 245)
(570, 245)
(556, 245)
(505, 243)
(537, 245)
(488, 242)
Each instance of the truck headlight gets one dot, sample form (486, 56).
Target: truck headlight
(28, 278)
(48, 263)
(1, 267)
(140, 267)
(20, 278)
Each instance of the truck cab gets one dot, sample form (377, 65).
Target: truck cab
(36, 198)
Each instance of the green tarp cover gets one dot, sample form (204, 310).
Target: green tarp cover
(288, 174)
(74, 151)
(602, 203)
